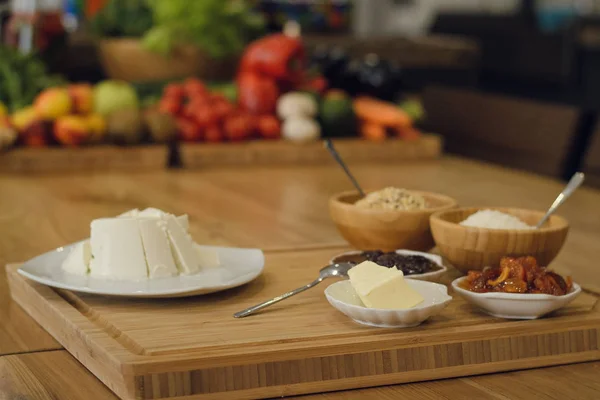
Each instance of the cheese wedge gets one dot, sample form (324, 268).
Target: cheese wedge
(382, 287)
(157, 248)
(182, 246)
(78, 260)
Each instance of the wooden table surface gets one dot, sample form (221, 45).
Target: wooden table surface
(273, 209)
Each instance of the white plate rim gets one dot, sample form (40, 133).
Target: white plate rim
(238, 280)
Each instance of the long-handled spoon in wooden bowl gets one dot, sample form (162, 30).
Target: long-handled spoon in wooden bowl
(330, 271)
(336, 156)
(576, 181)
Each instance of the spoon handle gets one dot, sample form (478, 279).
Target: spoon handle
(338, 159)
(277, 299)
(576, 181)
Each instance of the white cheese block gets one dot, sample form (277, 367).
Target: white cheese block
(182, 246)
(157, 248)
(184, 222)
(139, 244)
(155, 213)
(117, 249)
(382, 287)
(78, 259)
(129, 214)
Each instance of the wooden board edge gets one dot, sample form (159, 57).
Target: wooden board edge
(428, 147)
(81, 159)
(42, 307)
(183, 387)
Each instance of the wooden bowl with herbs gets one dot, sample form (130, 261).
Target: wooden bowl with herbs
(473, 238)
(387, 228)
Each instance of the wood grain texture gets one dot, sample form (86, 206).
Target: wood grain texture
(18, 332)
(279, 208)
(33, 376)
(279, 152)
(153, 349)
(386, 230)
(92, 158)
(468, 248)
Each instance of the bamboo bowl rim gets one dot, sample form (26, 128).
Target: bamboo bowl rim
(558, 223)
(447, 203)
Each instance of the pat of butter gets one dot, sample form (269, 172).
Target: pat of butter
(382, 287)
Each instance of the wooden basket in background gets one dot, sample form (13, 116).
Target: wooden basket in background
(126, 59)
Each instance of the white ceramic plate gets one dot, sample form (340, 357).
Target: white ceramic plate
(238, 266)
(433, 276)
(516, 305)
(342, 296)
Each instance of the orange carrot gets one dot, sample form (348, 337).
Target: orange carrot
(372, 131)
(380, 112)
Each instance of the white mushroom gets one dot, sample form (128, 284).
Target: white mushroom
(300, 129)
(296, 104)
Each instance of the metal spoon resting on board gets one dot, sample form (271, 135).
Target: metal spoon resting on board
(330, 271)
(576, 181)
(336, 156)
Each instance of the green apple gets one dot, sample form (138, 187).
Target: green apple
(111, 95)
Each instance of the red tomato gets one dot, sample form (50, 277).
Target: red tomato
(239, 127)
(214, 134)
(269, 127)
(218, 97)
(223, 108)
(190, 108)
(169, 106)
(194, 87)
(189, 131)
(204, 116)
(173, 91)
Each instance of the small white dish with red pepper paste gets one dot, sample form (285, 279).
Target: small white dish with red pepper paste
(515, 305)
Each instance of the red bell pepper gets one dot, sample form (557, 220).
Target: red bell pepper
(276, 56)
(257, 94)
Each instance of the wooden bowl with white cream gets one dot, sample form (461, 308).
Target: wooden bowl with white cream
(475, 237)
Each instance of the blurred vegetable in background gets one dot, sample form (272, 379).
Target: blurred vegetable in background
(219, 27)
(123, 18)
(22, 77)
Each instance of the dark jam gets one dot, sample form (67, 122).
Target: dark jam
(408, 264)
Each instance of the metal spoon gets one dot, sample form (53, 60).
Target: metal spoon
(330, 271)
(576, 181)
(336, 156)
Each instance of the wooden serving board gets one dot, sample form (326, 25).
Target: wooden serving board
(78, 159)
(280, 152)
(192, 348)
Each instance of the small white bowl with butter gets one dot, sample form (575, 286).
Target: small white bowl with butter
(381, 297)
